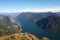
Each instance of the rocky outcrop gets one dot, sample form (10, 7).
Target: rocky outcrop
(22, 36)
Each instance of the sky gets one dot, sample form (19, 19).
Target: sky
(29, 5)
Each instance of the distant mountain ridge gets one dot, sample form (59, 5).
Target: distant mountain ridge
(30, 16)
(11, 14)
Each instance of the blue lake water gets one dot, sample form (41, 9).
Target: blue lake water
(34, 29)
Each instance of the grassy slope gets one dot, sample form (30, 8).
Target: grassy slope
(19, 36)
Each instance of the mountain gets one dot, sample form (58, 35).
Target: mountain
(33, 17)
(40, 24)
(41, 19)
(11, 14)
(8, 25)
(50, 23)
(11, 30)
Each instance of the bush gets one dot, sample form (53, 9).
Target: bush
(12, 37)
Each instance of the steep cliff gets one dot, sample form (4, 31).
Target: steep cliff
(8, 25)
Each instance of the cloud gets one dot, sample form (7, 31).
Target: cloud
(55, 9)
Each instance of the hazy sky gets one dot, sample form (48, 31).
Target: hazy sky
(29, 5)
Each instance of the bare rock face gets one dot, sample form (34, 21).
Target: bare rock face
(8, 25)
(11, 19)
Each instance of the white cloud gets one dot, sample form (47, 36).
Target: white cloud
(55, 9)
